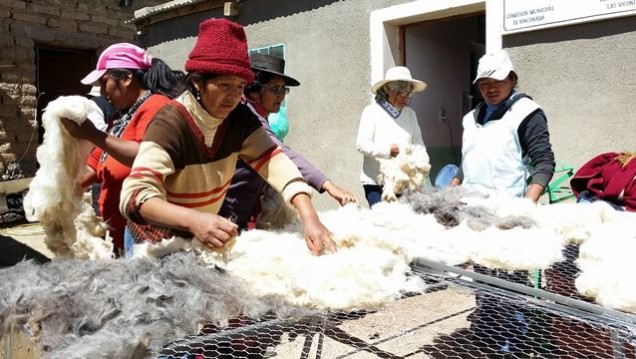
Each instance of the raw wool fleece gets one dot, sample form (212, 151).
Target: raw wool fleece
(376, 246)
(122, 308)
(369, 269)
(407, 171)
(71, 227)
(606, 263)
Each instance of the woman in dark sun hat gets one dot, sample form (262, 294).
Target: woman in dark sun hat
(264, 96)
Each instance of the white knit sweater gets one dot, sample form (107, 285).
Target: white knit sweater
(378, 131)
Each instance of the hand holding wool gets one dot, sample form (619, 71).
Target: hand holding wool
(84, 131)
(212, 230)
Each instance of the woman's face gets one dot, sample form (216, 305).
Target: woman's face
(272, 94)
(221, 94)
(494, 91)
(118, 91)
(398, 98)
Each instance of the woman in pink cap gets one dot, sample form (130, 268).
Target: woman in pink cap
(137, 86)
(189, 152)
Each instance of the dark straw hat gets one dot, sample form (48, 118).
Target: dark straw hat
(273, 65)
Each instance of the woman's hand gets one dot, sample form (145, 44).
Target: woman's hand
(318, 237)
(85, 131)
(395, 150)
(341, 195)
(212, 230)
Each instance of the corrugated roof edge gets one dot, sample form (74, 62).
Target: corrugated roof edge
(153, 10)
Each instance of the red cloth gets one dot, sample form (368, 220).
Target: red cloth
(606, 178)
(221, 48)
(111, 173)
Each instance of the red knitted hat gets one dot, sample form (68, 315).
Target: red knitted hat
(221, 48)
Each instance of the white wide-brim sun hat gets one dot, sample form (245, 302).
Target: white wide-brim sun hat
(399, 73)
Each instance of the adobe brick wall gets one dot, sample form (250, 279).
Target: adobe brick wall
(80, 24)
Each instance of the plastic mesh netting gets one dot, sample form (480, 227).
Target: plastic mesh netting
(466, 313)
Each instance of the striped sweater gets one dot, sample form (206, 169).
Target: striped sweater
(188, 158)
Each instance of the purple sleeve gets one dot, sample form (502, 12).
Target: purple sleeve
(312, 175)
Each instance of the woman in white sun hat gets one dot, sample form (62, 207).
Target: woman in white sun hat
(386, 125)
(504, 134)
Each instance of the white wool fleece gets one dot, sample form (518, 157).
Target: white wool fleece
(407, 171)
(53, 197)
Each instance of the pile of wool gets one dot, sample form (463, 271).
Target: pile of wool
(123, 308)
(497, 232)
(606, 263)
(573, 222)
(407, 171)
(357, 276)
(71, 227)
(377, 245)
(454, 205)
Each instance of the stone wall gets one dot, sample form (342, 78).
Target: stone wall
(76, 24)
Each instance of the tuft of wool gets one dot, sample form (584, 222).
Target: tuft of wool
(574, 221)
(53, 197)
(606, 263)
(209, 256)
(115, 308)
(516, 249)
(407, 171)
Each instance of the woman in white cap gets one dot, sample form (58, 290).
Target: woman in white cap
(499, 137)
(386, 125)
(503, 135)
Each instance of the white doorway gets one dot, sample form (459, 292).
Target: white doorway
(441, 42)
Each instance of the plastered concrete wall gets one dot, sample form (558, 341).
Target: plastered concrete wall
(328, 51)
(583, 77)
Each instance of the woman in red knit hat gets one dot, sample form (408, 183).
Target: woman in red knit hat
(187, 158)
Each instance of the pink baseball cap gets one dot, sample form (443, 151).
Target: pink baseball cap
(119, 56)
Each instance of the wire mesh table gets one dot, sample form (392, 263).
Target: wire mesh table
(463, 314)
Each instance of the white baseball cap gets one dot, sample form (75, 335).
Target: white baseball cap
(495, 66)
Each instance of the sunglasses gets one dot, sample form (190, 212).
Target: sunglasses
(277, 90)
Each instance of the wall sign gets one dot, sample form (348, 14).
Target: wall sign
(533, 14)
